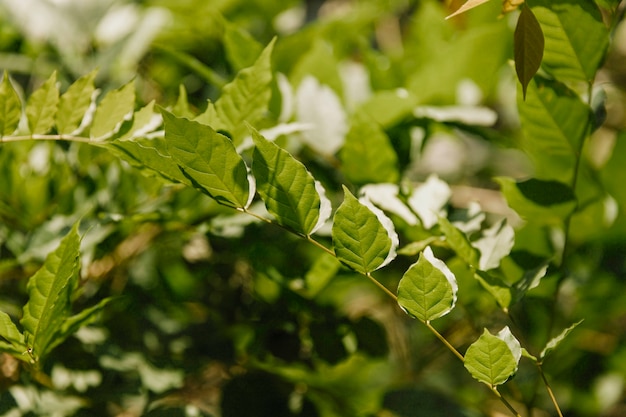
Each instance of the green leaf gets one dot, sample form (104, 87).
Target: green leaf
(42, 106)
(497, 287)
(209, 160)
(556, 341)
(555, 122)
(181, 108)
(495, 243)
(10, 107)
(428, 289)
(458, 242)
(74, 103)
(84, 318)
(245, 99)
(493, 359)
(367, 155)
(112, 110)
(542, 202)
(528, 47)
(529, 280)
(10, 333)
(289, 191)
(49, 292)
(363, 236)
(576, 39)
(143, 122)
(241, 48)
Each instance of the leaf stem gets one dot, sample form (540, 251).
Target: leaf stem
(382, 287)
(319, 245)
(505, 402)
(444, 341)
(71, 138)
(549, 389)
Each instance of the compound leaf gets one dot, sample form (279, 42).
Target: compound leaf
(363, 236)
(41, 107)
(74, 103)
(428, 289)
(10, 106)
(289, 191)
(209, 160)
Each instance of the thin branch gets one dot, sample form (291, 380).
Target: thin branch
(444, 341)
(550, 393)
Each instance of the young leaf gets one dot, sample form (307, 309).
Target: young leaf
(364, 240)
(367, 155)
(556, 341)
(10, 107)
(245, 99)
(49, 293)
(576, 38)
(289, 191)
(209, 160)
(74, 103)
(469, 4)
(112, 110)
(495, 244)
(554, 124)
(528, 47)
(42, 106)
(493, 359)
(10, 333)
(428, 289)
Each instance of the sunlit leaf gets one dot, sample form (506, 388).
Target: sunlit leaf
(10, 107)
(12, 335)
(576, 38)
(209, 160)
(49, 293)
(112, 110)
(41, 107)
(528, 47)
(495, 243)
(556, 341)
(361, 240)
(428, 289)
(468, 5)
(74, 103)
(367, 155)
(555, 123)
(459, 242)
(429, 199)
(493, 359)
(289, 191)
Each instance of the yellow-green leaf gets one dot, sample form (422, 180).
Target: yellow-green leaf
(42, 106)
(10, 107)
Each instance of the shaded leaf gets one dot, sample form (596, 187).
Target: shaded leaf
(360, 239)
(497, 287)
(289, 191)
(15, 338)
(367, 155)
(112, 110)
(41, 107)
(74, 103)
(10, 106)
(49, 293)
(428, 289)
(490, 359)
(530, 279)
(241, 48)
(84, 318)
(209, 160)
(528, 47)
(556, 341)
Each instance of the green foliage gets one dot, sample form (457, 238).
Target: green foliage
(246, 219)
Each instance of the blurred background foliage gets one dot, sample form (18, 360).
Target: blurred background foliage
(223, 316)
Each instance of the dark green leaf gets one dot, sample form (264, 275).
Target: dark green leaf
(528, 49)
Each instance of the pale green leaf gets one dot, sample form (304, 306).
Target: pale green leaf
(367, 155)
(576, 38)
(490, 360)
(495, 243)
(181, 108)
(143, 122)
(42, 106)
(360, 239)
(528, 47)
(209, 160)
(74, 103)
(542, 202)
(428, 289)
(12, 335)
(49, 293)
(289, 191)
(245, 99)
(556, 341)
(10, 107)
(112, 110)
(458, 242)
(555, 123)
